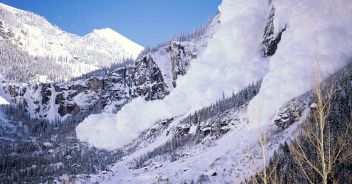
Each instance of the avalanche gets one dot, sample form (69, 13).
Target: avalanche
(315, 30)
(233, 53)
(325, 39)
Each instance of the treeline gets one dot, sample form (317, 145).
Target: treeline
(105, 70)
(18, 66)
(236, 100)
(179, 139)
(46, 150)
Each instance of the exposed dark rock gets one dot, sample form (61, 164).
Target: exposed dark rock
(183, 130)
(112, 90)
(271, 41)
(178, 63)
(70, 108)
(95, 84)
(46, 93)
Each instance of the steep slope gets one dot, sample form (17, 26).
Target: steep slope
(237, 55)
(218, 144)
(54, 144)
(163, 115)
(36, 37)
(212, 145)
(151, 77)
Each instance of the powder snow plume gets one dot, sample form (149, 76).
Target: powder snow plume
(233, 59)
(319, 32)
(232, 54)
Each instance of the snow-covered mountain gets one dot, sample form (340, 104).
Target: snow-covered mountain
(212, 107)
(255, 40)
(151, 77)
(36, 37)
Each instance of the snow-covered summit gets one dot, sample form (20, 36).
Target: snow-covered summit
(116, 39)
(37, 37)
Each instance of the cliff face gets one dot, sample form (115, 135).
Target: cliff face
(108, 92)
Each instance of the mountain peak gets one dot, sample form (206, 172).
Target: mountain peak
(105, 31)
(33, 35)
(114, 37)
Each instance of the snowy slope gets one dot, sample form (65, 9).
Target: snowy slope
(322, 44)
(212, 150)
(36, 36)
(236, 56)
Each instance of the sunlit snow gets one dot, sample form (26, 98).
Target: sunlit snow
(316, 29)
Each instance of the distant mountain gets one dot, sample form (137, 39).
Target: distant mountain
(152, 76)
(29, 40)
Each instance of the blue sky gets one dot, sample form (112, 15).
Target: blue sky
(147, 22)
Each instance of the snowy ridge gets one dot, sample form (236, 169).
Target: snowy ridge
(36, 36)
(235, 57)
(115, 38)
(146, 77)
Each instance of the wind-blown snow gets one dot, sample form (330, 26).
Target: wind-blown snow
(315, 29)
(232, 54)
(318, 31)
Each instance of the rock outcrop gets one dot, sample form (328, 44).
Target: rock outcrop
(108, 92)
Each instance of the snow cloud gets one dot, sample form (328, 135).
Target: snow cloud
(318, 30)
(315, 29)
(231, 61)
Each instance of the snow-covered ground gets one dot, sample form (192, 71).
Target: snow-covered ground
(230, 159)
(317, 30)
